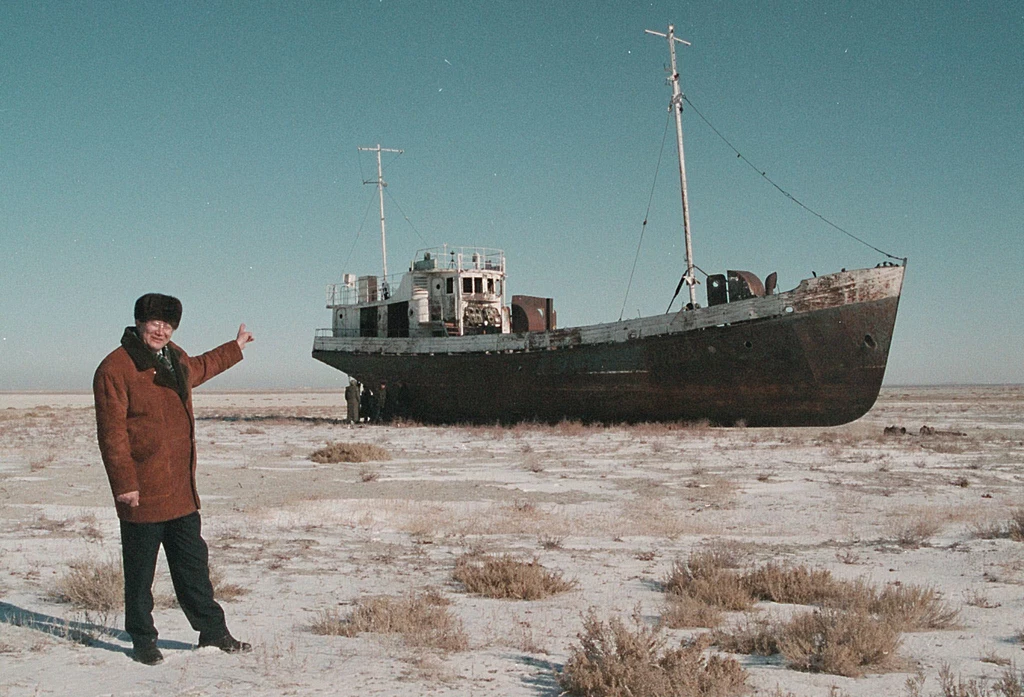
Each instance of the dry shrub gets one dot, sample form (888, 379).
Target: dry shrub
(758, 636)
(908, 608)
(419, 619)
(703, 577)
(1012, 529)
(978, 598)
(1009, 684)
(507, 577)
(613, 660)
(91, 585)
(914, 532)
(782, 583)
(164, 597)
(524, 639)
(945, 448)
(571, 428)
(426, 668)
(84, 525)
(684, 612)
(664, 428)
(992, 657)
(698, 426)
(856, 629)
(1016, 525)
(224, 591)
(838, 642)
(911, 608)
(550, 542)
(709, 488)
(349, 452)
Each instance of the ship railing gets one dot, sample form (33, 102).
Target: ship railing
(364, 289)
(460, 259)
(329, 333)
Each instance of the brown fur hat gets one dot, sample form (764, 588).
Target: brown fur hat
(156, 306)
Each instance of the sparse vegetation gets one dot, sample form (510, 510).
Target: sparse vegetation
(507, 577)
(838, 642)
(684, 612)
(421, 619)
(856, 627)
(782, 583)
(978, 598)
(994, 658)
(755, 636)
(913, 532)
(224, 591)
(1009, 684)
(615, 660)
(91, 584)
(609, 505)
(1012, 529)
(349, 452)
(703, 577)
(550, 542)
(907, 607)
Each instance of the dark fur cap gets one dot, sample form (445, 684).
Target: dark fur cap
(156, 306)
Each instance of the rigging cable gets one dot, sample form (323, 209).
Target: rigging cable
(643, 227)
(788, 195)
(392, 199)
(360, 231)
(366, 214)
(679, 287)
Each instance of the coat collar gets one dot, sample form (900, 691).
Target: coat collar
(145, 359)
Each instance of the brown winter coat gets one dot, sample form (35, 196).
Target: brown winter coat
(145, 425)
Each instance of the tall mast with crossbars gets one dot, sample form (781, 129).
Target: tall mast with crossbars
(379, 181)
(676, 105)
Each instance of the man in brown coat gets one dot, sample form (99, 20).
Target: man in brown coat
(146, 433)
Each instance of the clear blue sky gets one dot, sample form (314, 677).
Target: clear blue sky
(208, 150)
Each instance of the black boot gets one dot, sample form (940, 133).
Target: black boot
(146, 652)
(226, 643)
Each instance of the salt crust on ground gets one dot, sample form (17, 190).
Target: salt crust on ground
(622, 503)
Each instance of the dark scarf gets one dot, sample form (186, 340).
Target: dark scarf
(175, 378)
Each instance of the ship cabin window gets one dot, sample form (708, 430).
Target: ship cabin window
(478, 285)
(450, 285)
(490, 286)
(467, 284)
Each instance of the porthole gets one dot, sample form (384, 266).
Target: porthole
(748, 344)
(789, 309)
(869, 341)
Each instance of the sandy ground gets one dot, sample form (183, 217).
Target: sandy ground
(609, 507)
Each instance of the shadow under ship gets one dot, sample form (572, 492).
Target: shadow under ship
(450, 350)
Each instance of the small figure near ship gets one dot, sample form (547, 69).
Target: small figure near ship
(455, 351)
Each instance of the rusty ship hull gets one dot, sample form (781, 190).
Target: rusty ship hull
(813, 356)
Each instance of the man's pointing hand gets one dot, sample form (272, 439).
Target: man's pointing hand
(243, 337)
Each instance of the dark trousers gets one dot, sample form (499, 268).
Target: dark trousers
(188, 561)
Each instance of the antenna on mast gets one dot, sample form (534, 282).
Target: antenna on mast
(676, 105)
(379, 181)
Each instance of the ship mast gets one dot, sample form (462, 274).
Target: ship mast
(380, 193)
(676, 105)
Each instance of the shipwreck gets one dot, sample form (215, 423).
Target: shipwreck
(450, 347)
